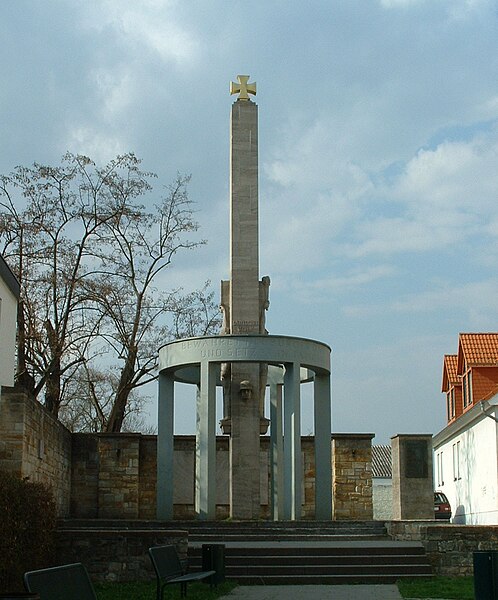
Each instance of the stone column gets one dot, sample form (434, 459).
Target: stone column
(413, 486)
(244, 242)
(293, 471)
(165, 427)
(244, 309)
(276, 451)
(323, 470)
(352, 476)
(205, 446)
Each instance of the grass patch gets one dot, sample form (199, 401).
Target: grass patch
(146, 590)
(457, 588)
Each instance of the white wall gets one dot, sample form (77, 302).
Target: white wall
(8, 319)
(382, 498)
(471, 484)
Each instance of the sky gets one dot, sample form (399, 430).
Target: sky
(378, 156)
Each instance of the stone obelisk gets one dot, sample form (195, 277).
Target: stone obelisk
(244, 302)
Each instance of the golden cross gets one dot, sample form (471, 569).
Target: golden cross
(243, 88)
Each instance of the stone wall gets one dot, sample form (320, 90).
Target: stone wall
(308, 453)
(449, 548)
(352, 476)
(116, 554)
(35, 445)
(114, 476)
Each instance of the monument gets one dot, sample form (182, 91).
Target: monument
(244, 300)
(244, 360)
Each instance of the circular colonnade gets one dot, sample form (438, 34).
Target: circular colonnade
(291, 361)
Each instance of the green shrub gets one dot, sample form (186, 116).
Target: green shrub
(27, 529)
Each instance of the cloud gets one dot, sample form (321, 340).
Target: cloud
(478, 295)
(117, 90)
(299, 226)
(99, 146)
(400, 3)
(404, 404)
(339, 284)
(456, 8)
(454, 176)
(151, 25)
(475, 299)
(440, 198)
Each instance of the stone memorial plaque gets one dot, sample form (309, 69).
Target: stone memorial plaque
(416, 466)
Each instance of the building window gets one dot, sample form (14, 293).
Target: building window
(448, 405)
(439, 469)
(467, 386)
(456, 461)
(453, 407)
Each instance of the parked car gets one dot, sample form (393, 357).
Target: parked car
(442, 508)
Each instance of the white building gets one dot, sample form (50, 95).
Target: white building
(466, 450)
(9, 296)
(465, 455)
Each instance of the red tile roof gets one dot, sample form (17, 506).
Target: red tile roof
(478, 349)
(450, 376)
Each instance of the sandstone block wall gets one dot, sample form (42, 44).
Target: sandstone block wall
(116, 555)
(34, 444)
(308, 453)
(114, 476)
(450, 548)
(352, 476)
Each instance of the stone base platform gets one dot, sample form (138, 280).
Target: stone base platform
(301, 552)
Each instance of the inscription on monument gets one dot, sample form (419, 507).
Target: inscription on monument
(416, 466)
(245, 326)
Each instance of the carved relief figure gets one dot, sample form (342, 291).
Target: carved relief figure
(264, 303)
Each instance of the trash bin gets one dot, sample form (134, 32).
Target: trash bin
(213, 559)
(486, 575)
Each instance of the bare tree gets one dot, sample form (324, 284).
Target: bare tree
(88, 397)
(49, 241)
(143, 245)
(90, 259)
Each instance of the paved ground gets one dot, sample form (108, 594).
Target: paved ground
(315, 592)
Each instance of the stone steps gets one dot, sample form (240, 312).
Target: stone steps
(376, 562)
(240, 529)
(304, 552)
(329, 552)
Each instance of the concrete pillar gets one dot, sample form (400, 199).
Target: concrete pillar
(165, 422)
(205, 449)
(413, 486)
(276, 451)
(323, 462)
(292, 443)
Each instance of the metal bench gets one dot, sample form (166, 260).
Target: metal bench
(169, 569)
(67, 582)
